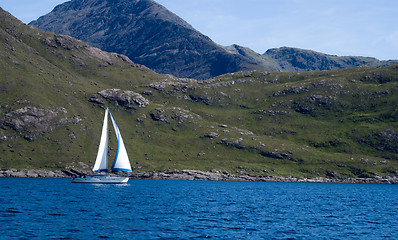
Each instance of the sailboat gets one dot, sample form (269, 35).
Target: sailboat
(121, 162)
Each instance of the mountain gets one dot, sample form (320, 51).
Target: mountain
(151, 35)
(54, 89)
(146, 32)
(295, 59)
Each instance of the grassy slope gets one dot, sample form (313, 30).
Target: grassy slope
(301, 124)
(338, 123)
(50, 71)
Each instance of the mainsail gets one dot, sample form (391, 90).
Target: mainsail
(122, 162)
(101, 163)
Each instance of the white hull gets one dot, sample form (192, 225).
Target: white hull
(101, 179)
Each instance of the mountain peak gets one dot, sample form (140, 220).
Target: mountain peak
(153, 36)
(143, 30)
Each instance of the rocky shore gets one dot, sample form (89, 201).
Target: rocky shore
(217, 176)
(197, 175)
(23, 173)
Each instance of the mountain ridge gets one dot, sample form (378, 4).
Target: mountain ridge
(151, 35)
(139, 25)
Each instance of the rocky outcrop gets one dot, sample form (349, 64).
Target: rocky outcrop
(172, 84)
(177, 114)
(159, 115)
(127, 99)
(211, 135)
(32, 122)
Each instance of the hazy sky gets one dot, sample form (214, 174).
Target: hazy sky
(338, 27)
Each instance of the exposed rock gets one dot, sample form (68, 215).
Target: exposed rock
(272, 113)
(159, 115)
(3, 137)
(159, 86)
(386, 140)
(127, 99)
(292, 90)
(272, 154)
(33, 122)
(148, 93)
(205, 100)
(175, 113)
(181, 115)
(198, 175)
(212, 135)
(225, 176)
(314, 102)
(97, 99)
(173, 84)
(234, 143)
(32, 173)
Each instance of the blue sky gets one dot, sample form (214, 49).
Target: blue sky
(338, 27)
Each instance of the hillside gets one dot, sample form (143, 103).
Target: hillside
(53, 91)
(45, 84)
(151, 35)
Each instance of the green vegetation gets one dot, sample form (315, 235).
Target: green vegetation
(339, 123)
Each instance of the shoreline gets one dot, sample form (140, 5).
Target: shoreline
(197, 175)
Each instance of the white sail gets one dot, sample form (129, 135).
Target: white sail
(101, 163)
(122, 162)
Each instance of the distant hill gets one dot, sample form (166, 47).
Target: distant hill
(151, 35)
(54, 88)
(295, 59)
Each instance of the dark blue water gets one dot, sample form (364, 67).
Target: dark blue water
(145, 209)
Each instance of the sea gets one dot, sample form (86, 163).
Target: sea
(37, 208)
